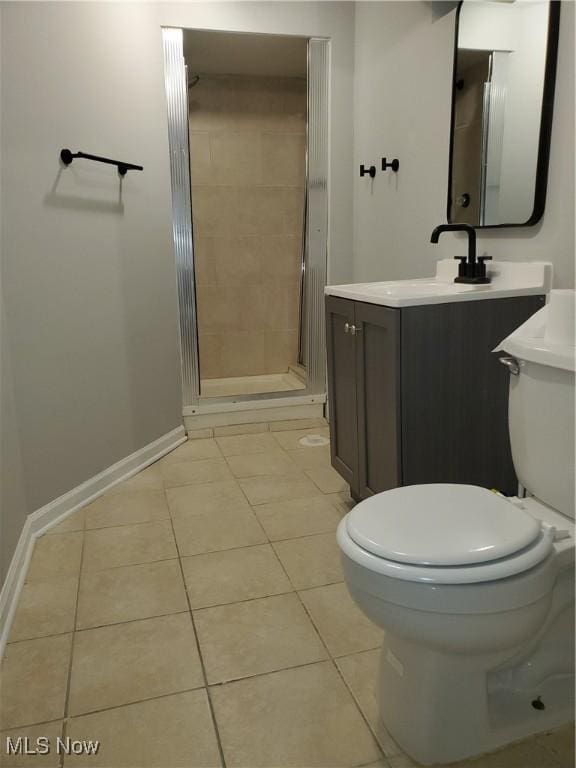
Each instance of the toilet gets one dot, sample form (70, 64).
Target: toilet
(474, 590)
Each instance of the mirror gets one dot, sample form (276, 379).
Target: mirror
(503, 91)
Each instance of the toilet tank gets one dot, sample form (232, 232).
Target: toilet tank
(541, 402)
(541, 422)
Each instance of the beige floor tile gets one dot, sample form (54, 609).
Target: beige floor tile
(343, 627)
(192, 450)
(238, 574)
(34, 677)
(297, 717)
(360, 671)
(200, 434)
(126, 508)
(298, 517)
(343, 501)
(55, 557)
(241, 429)
(171, 732)
(266, 490)
(524, 754)
(74, 522)
(402, 761)
(560, 743)
(261, 464)
(45, 608)
(129, 593)
(50, 731)
(311, 561)
(149, 479)
(327, 479)
(293, 424)
(128, 545)
(198, 533)
(289, 440)
(209, 498)
(125, 663)
(257, 636)
(311, 458)
(240, 445)
(191, 472)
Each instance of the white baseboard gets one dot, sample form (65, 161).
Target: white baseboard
(56, 511)
(255, 404)
(253, 416)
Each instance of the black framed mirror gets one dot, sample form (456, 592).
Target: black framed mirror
(504, 73)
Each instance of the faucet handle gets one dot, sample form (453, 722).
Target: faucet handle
(462, 267)
(482, 259)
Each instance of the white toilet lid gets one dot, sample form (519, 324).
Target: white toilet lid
(441, 525)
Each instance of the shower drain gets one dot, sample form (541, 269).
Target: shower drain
(313, 441)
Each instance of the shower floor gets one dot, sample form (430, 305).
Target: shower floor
(251, 385)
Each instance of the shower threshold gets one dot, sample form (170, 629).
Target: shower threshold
(251, 385)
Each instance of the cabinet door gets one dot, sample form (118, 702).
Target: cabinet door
(342, 388)
(455, 392)
(377, 331)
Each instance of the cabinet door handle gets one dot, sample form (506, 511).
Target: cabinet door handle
(347, 327)
(354, 330)
(511, 363)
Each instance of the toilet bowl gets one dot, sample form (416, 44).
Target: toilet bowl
(475, 591)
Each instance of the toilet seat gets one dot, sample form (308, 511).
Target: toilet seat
(444, 534)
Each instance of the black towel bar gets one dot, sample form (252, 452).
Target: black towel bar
(67, 156)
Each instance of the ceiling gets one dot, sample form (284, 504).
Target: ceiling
(236, 53)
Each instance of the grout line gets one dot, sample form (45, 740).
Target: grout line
(30, 725)
(126, 525)
(199, 651)
(290, 668)
(41, 637)
(91, 571)
(242, 491)
(269, 542)
(204, 482)
(137, 701)
(66, 718)
(330, 658)
(314, 535)
(72, 644)
(245, 600)
(130, 621)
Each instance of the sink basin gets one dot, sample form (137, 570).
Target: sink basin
(415, 288)
(508, 279)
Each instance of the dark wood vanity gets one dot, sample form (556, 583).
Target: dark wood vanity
(416, 394)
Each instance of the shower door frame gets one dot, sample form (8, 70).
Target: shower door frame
(314, 262)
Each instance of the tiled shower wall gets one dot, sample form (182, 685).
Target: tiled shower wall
(248, 150)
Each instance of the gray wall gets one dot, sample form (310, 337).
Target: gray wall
(90, 359)
(403, 64)
(12, 487)
(90, 365)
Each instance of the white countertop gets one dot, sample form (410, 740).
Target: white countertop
(508, 279)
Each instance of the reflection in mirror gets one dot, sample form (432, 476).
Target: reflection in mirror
(501, 111)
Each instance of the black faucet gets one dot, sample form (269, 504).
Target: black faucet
(470, 269)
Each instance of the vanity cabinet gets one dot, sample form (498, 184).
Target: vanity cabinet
(416, 394)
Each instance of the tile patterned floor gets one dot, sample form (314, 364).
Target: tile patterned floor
(196, 616)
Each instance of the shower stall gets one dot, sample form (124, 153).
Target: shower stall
(247, 119)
